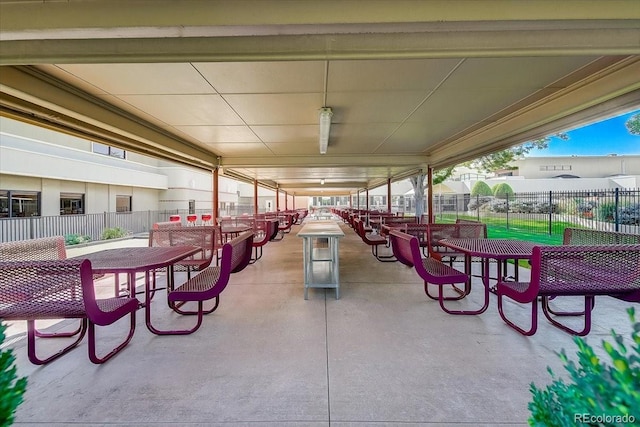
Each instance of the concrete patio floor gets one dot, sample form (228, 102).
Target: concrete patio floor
(382, 355)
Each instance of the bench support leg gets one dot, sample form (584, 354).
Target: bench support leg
(157, 331)
(175, 306)
(92, 341)
(589, 302)
(382, 258)
(534, 317)
(545, 304)
(442, 299)
(31, 341)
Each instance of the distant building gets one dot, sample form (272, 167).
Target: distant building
(559, 173)
(44, 173)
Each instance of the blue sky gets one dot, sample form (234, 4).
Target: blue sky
(602, 138)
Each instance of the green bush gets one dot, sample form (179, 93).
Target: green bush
(75, 239)
(503, 191)
(599, 394)
(607, 212)
(11, 388)
(113, 233)
(481, 188)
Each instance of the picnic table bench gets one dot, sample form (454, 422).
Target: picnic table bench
(46, 248)
(166, 224)
(207, 284)
(406, 249)
(574, 270)
(581, 236)
(373, 239)
(60, 289)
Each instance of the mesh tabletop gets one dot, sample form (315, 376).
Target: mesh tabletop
(492, 248)
(138, 259)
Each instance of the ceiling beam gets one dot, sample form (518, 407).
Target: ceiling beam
(244, 15)
(402, 45)
(323, 161)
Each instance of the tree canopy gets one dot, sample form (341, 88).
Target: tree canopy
(502, 159)
(503, 191)
(633, 124)
(481, 188)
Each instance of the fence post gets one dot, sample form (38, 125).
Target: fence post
(616, 217)
(478, 206)
(507, 211)
(32, 231)
(550, 212)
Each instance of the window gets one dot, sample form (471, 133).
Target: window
(123, 203)
(108, 150)
(555, 168)
(19, 203)
(71, 203)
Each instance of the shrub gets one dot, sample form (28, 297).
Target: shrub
(113, 233)
(498, 205)
(11, 387)
(75, 239)
(609, 393)
(478, 201)
(629, 215)
(503, 191)
(481, 188)
(606, 212)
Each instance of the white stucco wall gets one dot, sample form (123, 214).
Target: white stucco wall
(582, 166)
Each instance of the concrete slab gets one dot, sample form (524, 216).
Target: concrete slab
(383, 354)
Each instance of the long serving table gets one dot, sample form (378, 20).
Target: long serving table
(321, 255)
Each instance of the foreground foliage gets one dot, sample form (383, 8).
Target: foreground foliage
(598, 394)
(11, 388)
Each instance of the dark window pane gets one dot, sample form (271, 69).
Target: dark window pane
(123, 203)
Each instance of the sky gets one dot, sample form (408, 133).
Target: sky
(599, 139)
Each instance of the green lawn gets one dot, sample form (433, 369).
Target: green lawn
(533, 230)
(502, 233)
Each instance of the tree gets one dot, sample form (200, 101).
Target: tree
(633, 124)
(442, 175)
(417, 181)
(481, 188)
(503, 191)
(502, 159)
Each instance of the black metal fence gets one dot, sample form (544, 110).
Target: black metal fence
(547, 212)
(537, 213)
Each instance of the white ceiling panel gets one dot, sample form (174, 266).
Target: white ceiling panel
(294, 148)
(239, 149)
(389, 75)
(220, 134)
(509, 73)
(277, 109)
(185, 110)
(264, 77)
(287, 133)
(142, 79)
(373, 107)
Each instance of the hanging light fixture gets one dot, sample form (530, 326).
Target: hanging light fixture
(322, 181)
(325, 127)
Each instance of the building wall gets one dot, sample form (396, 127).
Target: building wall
(583, 166)
(41, 160)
